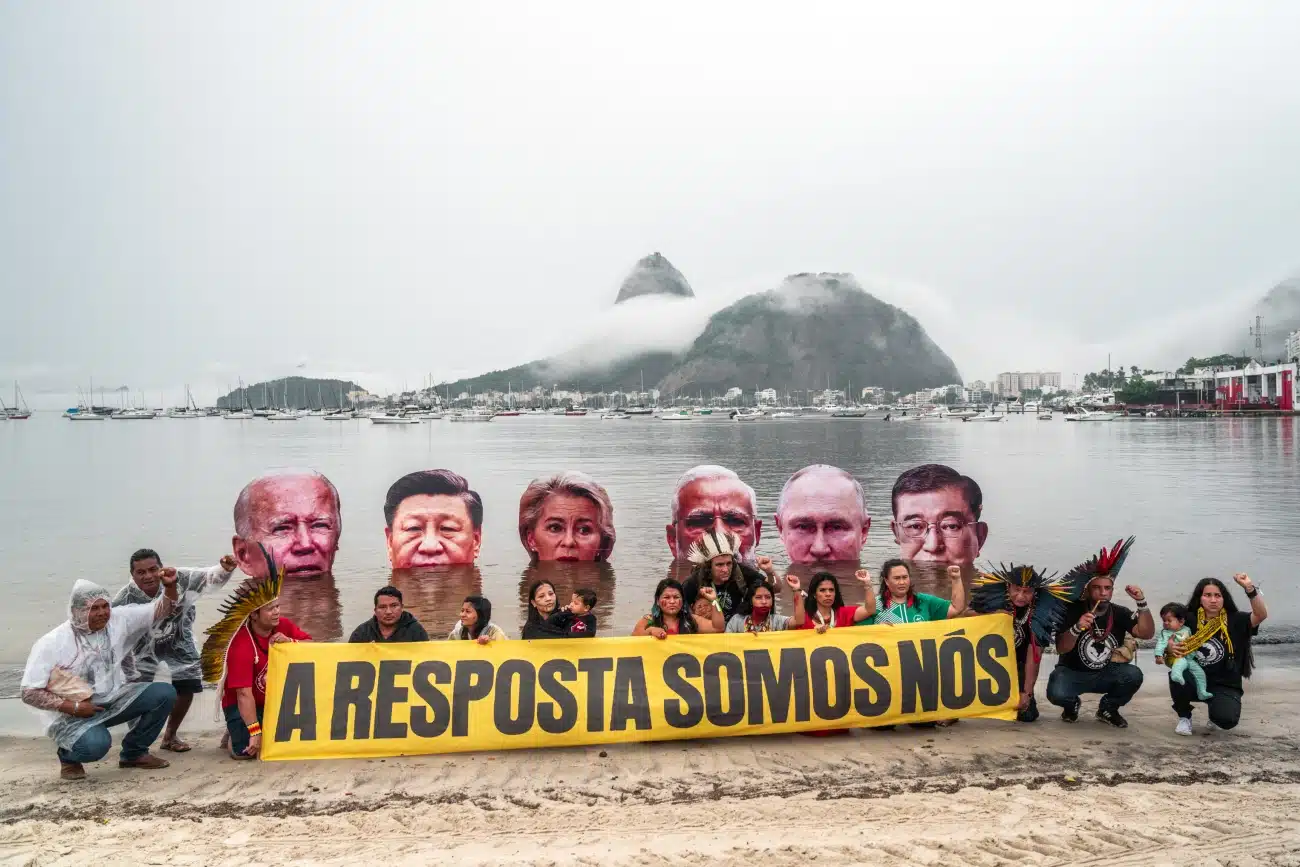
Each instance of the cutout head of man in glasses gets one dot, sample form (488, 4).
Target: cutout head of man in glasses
(709, 497)
(937, 516)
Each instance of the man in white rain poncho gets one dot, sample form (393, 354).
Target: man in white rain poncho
(171, 640)
(75, 678)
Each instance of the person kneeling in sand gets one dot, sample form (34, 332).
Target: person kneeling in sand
(77, 679)
(236, 655)
(392, 623)
(476, 622)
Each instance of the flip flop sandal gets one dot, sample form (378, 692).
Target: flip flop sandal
(175, 746)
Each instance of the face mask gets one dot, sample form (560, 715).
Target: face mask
(760, 614)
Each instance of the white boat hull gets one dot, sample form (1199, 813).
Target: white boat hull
(393, 419)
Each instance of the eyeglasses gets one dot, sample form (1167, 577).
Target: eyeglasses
(949, 527)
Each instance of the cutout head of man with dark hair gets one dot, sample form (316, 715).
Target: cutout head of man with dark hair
(821, 516)
(937, 515)
(707, 498)
(296, 516)
(434, 519)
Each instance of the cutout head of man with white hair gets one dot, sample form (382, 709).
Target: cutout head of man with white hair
(710, 497)
(822, 515)
(295, 514)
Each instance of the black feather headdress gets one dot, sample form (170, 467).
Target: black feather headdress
(1051, 595)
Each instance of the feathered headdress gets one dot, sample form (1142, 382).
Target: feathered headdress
(235, 611)
(1103, 564)
(1051, 595)
(713, 544)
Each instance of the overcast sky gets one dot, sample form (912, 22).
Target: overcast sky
(197, 193)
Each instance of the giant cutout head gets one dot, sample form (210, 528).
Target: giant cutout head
(710, 497)
(296, 515)
(937, 516)
(567, 517)
(821, 516)
(433, 519)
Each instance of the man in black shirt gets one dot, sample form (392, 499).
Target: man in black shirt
(391, 624)
(1097, 628)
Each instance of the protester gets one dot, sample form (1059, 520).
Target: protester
(716, 558)
(669, 616)
(236, 653)
(1221, 646)
(433, 519)
(568, 518)
(821, 515)
(171, 640)
(476, 622)
(542, 603)
(294, 514)
(1036, 603)
(899, 603)
(1098, 627)
(77, 679)
(392, 623)
(823, 607)
(576, 618)
(758, 610)
(710, 497)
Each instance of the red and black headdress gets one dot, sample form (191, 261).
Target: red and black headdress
(1104, 564)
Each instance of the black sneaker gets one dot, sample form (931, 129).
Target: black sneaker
(1071, 712)
(1029, 714)
(1110, 715)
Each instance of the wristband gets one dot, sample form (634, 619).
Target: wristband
(1142, 606)
(76, 706)
(1252, 592)
(255, 729)
(802, 592)
(1076, 630)
(717, 604)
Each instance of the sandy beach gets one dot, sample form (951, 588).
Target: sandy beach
(979, 793)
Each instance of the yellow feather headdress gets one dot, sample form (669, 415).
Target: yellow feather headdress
(247, 598)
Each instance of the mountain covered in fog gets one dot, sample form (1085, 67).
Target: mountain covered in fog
(654, 275)
(811, 331)
(1280, 309)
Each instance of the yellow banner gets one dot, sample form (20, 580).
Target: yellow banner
(328, 701)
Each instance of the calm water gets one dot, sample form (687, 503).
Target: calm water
(1203, 498)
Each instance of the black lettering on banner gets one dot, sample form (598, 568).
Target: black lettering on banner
(434, 722)
(298, 703)
(353, 683)
(956, 662)
(473, 682)
(761, 682)
(874, 700)
(920, 675)
(996, 688)
(388, 695)
(687, 709)
(631, 701)
(549, 676)
(502, 716)
(716, 665)
(595, 669)
(839, 664)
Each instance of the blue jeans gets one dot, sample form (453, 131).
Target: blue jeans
(239, 736)
(150, 710)
(1117, 681)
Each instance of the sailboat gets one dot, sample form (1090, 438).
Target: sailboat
(20, 410)
(189, 410)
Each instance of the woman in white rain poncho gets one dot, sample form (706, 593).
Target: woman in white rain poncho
(75, 680)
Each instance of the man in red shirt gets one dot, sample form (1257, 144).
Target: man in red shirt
(245, 677)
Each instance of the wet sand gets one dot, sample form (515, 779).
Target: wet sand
(979, 793)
